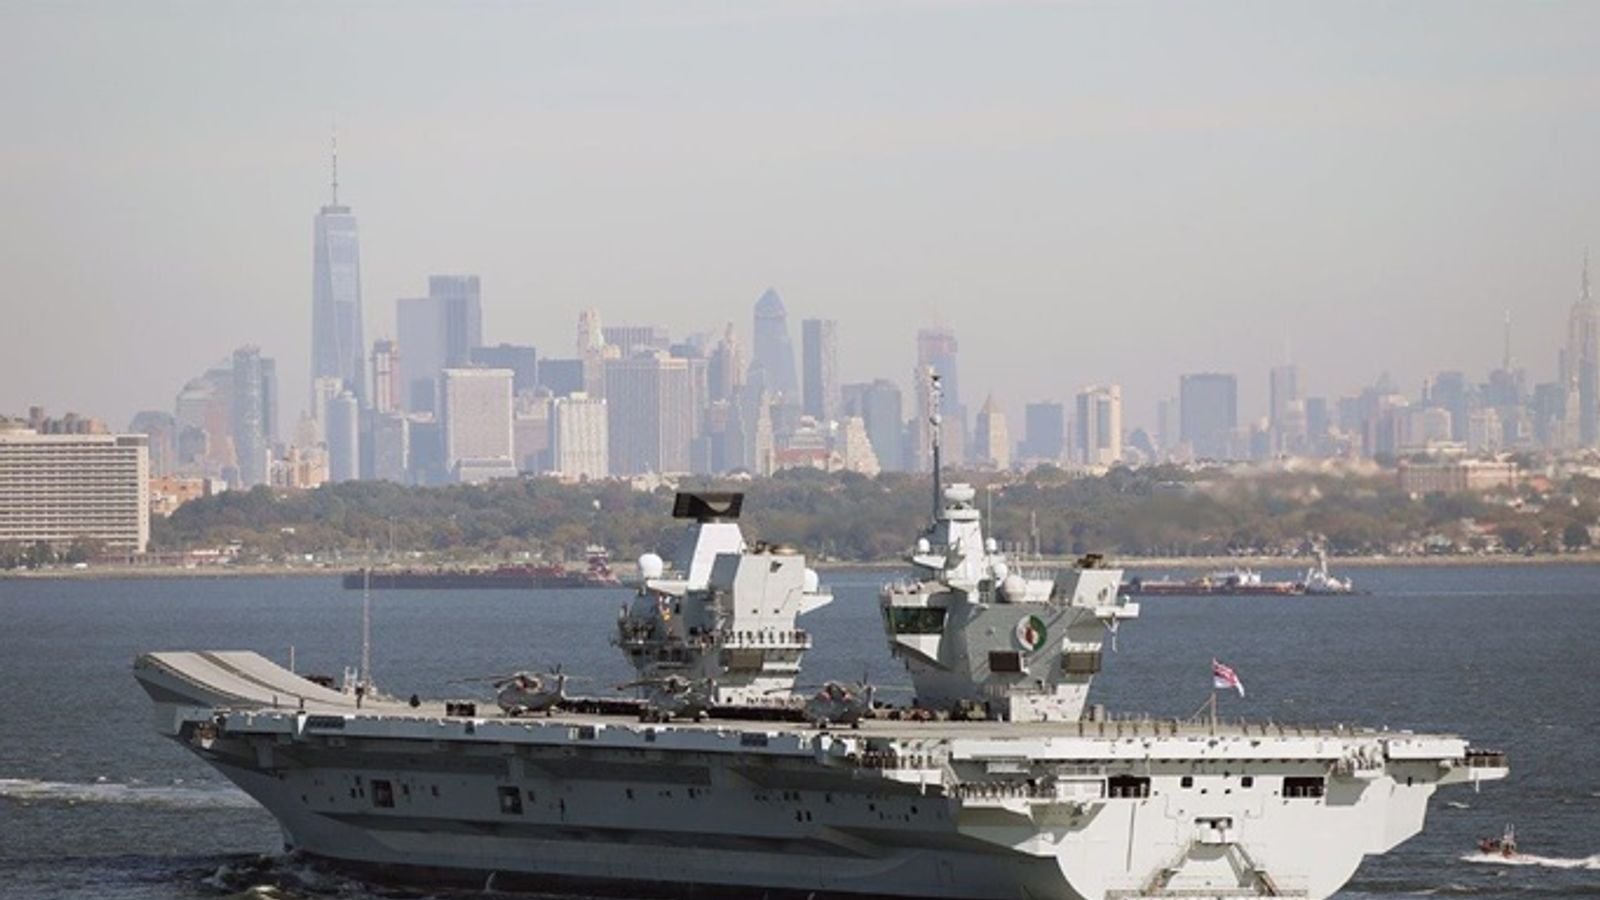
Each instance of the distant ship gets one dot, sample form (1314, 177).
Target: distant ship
(596, 574)
(1319, 580)
(1225, 582)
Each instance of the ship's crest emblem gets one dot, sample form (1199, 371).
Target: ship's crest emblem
(1031, 633)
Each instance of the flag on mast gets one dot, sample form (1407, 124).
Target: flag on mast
(1223, 677)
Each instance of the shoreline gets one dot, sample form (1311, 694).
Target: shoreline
(1128, 564)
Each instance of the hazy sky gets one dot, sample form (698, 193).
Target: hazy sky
(1085, 192)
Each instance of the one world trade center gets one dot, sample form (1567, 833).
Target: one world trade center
(336, 344)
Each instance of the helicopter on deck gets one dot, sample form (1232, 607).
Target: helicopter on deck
(524, 693)
(839, 702)
(674, 696)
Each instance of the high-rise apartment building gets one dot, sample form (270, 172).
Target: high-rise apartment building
(1098, 425)
(819, 354)
(579, 438)
(772, 366)
(1208, 413)
(337, 348)
(651, 412)
(477, 416)
(58, 488)
(1044, 432)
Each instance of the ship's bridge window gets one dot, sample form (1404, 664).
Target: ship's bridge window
(1133, 786)
(382, 793)
(915, 620)
(1302, 786)
(1005, 662)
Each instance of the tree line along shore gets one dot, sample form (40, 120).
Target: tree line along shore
(1152, 517)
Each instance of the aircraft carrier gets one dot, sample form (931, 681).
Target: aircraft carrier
(992, 784)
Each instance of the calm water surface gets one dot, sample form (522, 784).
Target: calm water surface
(94, 805)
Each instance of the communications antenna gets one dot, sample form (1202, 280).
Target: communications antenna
(366, 623)
(935, 421)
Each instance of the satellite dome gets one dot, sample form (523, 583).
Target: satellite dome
(991, 545)
(651, 566)
(923, 546)
(1015, 587)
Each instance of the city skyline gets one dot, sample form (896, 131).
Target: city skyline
(1221, 222)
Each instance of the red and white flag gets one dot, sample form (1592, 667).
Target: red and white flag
(1223, 677)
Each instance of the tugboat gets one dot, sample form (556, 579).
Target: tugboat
(1505, 845)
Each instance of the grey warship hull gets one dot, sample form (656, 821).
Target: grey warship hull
(997, 788)
(912, 809)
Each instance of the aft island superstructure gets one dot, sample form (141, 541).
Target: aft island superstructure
(992, 784)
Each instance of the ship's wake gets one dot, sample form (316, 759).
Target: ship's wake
(279, 878)
(31, 790)
(1588, 863)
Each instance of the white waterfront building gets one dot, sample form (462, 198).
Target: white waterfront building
(57, 488)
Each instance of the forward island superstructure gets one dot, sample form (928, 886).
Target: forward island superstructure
(992, 784)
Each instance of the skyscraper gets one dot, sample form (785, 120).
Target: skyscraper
(1286, 411)
(1099, 425)
(460, 315)
(337, 348)
(479, 443)
(881, 406)
(344, 437)
(936, 349)
(386, 392)
(993, 444)
(162, 430)
(1208, 412)
(523, 361)
(1580, 361)
(578, 437)
(630, 339)
(650, 412)
(436, 332)
(819, 354)
(249, 408)
(1044, 432)
(772, 367)
(725, 369)
(391, 447)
